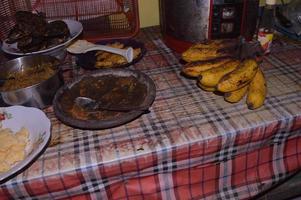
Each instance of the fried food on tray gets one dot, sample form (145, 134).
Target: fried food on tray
(12, 147)
(107, 60)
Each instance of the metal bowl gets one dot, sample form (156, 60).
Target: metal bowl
(58, 51)
(39, 95)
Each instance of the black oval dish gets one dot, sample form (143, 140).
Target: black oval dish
(103, 124)
(87, 60)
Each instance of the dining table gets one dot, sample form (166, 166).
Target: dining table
(191, 145)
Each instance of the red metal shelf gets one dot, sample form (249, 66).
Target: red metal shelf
(101, 19)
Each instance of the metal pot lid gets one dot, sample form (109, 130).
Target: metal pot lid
(63, 110)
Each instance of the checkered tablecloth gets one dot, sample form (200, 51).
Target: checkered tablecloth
(192, 145)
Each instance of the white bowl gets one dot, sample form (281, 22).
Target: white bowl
(59, 51)
(39, 127)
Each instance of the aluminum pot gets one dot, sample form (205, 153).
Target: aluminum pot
(191, 25)
(39, 95)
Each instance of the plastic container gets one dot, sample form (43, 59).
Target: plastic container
(265, 37)
(266, 27)
(101, 19)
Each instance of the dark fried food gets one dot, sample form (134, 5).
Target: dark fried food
(27, 24)
(57, 28)
(33, 33)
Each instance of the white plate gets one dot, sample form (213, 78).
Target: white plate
(75, 28)
(39, 126)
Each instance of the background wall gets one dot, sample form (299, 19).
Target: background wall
(149, 12)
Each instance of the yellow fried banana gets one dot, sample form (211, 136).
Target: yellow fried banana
(237, 95)
(205, 88)
(211, 77)
(193, 69)
(210, 50)
(218, 44)
(257, 91)
(201, 54)
(238, 78)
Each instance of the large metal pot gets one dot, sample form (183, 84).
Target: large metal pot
(39, 95)
(186, 20)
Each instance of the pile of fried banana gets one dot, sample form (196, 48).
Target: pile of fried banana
(106, 60)
(216, 70)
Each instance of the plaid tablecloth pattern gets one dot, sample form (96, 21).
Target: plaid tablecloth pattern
(192, 145)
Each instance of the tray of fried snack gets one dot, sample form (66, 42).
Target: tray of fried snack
(103, 60)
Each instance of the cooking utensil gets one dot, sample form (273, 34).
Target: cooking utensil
(39, 95)
(83, 46)
(91, 105)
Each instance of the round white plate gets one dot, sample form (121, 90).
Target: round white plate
(75, 28)
(39, 126)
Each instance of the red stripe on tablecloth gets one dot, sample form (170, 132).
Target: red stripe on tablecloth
(292, 153)
(198, 149)
(54, 183)
(129, 166)
(296, 123)
(258, 134)
(4, 194)
(130, 189)
(200, 181)
(259, 170)
(79, 197)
